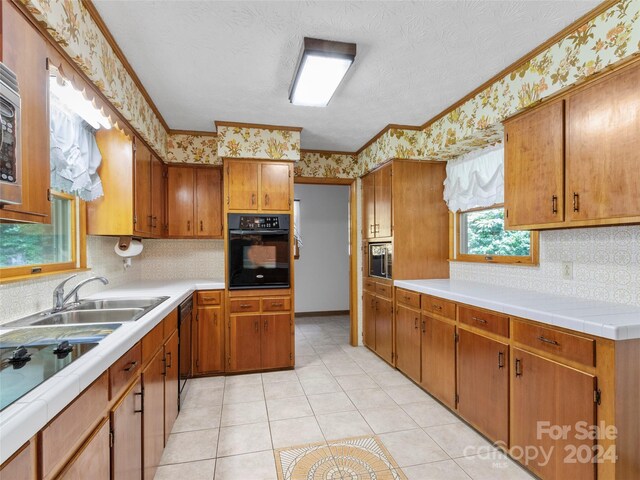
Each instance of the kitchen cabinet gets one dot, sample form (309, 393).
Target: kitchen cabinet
(368, 205)
(153, 415)
(378, 318)
(438, 358)
(483, 384)
(369, 320)
(170, 384)
(384, 328)
(258, 186)
(547, 391)
(408, 341)
(22, 464)
(158, 197)
(143, 218)
(376, 201)
(126, 430)
(94, 457)
(194, 202)
(25, 53)
(209, 333)
(275, 344)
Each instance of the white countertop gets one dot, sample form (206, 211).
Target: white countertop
(603, 319)
(24, 418)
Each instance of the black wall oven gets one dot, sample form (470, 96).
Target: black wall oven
(259, 251)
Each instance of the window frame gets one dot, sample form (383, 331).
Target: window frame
(533, 259)
(78, 248)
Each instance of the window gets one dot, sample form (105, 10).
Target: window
(482, 238)
(36, 248)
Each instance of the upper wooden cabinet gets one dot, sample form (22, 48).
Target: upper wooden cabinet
(258, 186)
(25, 53)
(194, 202)
(143, 218)
(569, 162)
(376, 201)
(158, 197)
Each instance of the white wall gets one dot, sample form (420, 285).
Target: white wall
(322, 271)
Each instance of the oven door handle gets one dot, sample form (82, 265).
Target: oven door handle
(259, 232)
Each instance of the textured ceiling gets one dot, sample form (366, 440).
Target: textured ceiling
(207, 60)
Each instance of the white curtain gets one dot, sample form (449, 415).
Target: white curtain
(475, 180)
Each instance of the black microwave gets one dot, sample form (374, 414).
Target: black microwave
(381, 260)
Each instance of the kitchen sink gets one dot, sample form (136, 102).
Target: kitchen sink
(90, 316)
(117, 303)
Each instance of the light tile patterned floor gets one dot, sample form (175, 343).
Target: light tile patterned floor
(230, 427)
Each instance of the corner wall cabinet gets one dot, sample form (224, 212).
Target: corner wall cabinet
(258, 186)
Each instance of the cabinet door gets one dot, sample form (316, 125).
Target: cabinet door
(158, 197)
(208, 202)
(383, 202)
(546, 391)
(368, 206)
(534, 167)
(276, 341)
(170, 384)
(408, 341)
(142, 188)
(483, 384)
(180, 183)
(210, 349)
(126, 424)
(244, 342)
(603, 141)
(439, 359)
(153, 416)
(242, 181)
(275, 186)
(23, 464)
(25, 53)
(369, 320)
(384, 328)
(93, 457)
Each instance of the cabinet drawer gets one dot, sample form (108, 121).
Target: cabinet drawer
(485, 320)
(124, 369)
(240, 305)
(566, 345)
(280, 304)
(170, 324)
(406, 297)
(68, 430)
(369, 285)
(384, 290)
(152, 341)
(439, 306)
(209, 297)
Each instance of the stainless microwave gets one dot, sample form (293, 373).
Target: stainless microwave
(381, 260)
(10, 159)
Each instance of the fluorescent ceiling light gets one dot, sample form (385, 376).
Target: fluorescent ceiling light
(322, 66)
(74, 100)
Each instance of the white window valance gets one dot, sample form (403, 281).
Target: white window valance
(475, 180)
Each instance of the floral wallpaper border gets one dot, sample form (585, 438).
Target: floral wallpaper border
(319, 164)
(250, 142)
(196, 149)
(71, 25)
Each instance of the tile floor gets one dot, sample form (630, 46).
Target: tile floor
(229, 426)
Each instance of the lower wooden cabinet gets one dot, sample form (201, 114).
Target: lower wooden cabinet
(245, 343)
(210, 339)
(408, 339)
(483, 384)
(439, 359)
(170, 383)
(93, 458)
(378, 318)
(384, 328)
(548, 394)
(275, 342)
(369, 320)
(153, 414)
(22, 464)
(126, 429)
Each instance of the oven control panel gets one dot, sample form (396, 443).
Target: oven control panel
(258, 222)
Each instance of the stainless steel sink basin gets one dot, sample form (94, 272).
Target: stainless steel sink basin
(111, 303)
(56, 334)
(90, 316)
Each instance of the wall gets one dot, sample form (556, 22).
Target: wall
(606, 265)
(322, 271)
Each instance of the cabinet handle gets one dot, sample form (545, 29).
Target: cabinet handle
(370, 228)
(554, 204)
(208, 299)
(266, 199)
(415, 323)
(407, 298)
(437, 307)
(188, 225)
(576, 202)
(548, 340)
(256, 324)
(424, 326)
(266, 325)
(170, 362)
(150, 217)
(253, 199)
(245, 305)
(141, 410)
(518, 367)
(131, 365)
(500, 359)
(277, 304)
(480, 320)
(201, 226)
(377, 228)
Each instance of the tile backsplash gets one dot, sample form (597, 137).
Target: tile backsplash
(606, 265)
(160, 259)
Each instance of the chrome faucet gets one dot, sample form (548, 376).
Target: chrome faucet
(59, 298)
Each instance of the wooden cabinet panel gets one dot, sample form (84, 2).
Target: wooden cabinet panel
(208, 202)
(546, 391)
(25, 53)
(211, 297)
(383, 202)
(151, 342)
(242, 181)
(244, 342)
(368, 206)
(22, 464)
(483, 384)
(485, 320)
(384, 328)
(210, 356)
(126, 425)
(275, 186)
(170, 384)
(180, 203)
(439, 306)
(142, 188)
(281, 304)
(603, 141)
(369, 285)
(439, 359)
(153, 416)
(534, 167)
(408, 298)
(276, 341)
(158, 197)
(384, 290)
(244, 305)
(369, 320)
(408, 336)
(94, 457)
(123, 370)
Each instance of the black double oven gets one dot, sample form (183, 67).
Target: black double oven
(259, 251)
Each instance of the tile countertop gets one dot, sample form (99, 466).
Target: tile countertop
(24, 418)
(608, 320)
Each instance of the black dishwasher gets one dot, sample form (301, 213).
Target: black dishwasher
(185, 337)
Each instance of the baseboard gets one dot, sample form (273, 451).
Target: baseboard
(322, 314)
